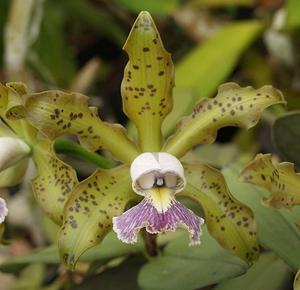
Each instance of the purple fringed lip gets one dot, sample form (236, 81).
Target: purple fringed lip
(145, 215)
(3, 210)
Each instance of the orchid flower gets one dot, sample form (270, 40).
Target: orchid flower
(20, 141)
(143, 192)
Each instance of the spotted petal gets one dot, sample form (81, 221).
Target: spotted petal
(148, 81)
(229, 221)
(233, 106)
(89, 211)
(12, 108)
(54, 182)
(146, 215)
(56, 113)
(279, 178)
(11, 102)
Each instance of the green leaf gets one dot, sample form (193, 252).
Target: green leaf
(293, 14)
(233, 106)
(187, 268)
(148, 81)
(51, 55)
(57, 113)
(153, 6)
(229, 221)
(286, 136)
(54, 182)
(279, 178)
(68, 147)
(31, 278)
(4, 6)
(90, 209)
(220, 3)
(87, 14)
(124, 275)
(109, 248)
(207, 66)
(268, 273)
(217, 154)
(2, 229)
(276, 229)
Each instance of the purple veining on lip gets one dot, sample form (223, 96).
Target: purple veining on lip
(3, 210)
(146, 215)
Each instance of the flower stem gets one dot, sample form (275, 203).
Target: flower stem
(150, 243)
(73, 149)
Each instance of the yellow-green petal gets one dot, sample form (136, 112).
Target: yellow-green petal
(279, 178)
(90, 209)
(233, 106)
(297, 281)
(5, 131)
(148, 81)
(12, 109)
(57, 113)
(14, 174)
(11, 102)
(229, 221)
(54, 181)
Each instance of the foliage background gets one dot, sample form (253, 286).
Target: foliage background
(77, 45)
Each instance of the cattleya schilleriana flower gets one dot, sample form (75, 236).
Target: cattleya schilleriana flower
(152, 175)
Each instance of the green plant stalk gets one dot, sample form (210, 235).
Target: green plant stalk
(73, 149)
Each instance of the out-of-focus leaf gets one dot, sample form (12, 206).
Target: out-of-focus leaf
(153, 6)
(52, 57)
(293, 14)
(124, 275)
(255, 66)
(207, 66)
(286, 136)
(220, 3)
(268, 273)
(217, 154)
(186, 268)
(148, 82)
(229, 221)
(88, 14)
(31, 278)
(109, 248)
(2, 228)
(86, 76)
(233, 106)
(3, 17)
(275, 228)
(279, 178)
